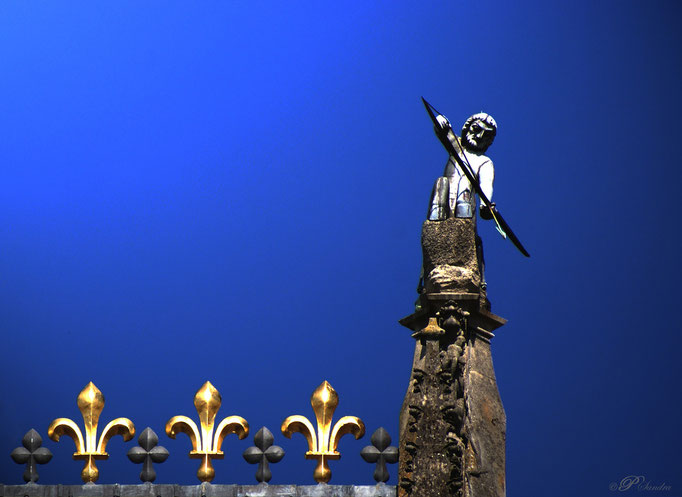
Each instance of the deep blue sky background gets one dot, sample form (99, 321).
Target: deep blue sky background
(234, 193)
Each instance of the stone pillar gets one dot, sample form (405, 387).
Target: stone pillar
(452, 424)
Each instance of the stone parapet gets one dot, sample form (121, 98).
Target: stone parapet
(203, 490)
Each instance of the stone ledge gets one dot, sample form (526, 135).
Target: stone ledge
(203, 490)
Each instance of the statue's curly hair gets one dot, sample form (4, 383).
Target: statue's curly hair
(481, 116)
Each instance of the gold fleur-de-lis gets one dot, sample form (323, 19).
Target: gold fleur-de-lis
(207, 402)
(90, 404)
(323, 446)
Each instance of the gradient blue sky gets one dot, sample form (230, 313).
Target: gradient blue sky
(234, 192)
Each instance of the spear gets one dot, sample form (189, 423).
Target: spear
(464, 165)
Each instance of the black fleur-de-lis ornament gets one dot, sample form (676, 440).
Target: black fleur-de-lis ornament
(147, 453)
(263, 454)
(31, 454)
(380, 453)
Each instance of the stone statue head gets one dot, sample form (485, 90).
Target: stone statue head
(479, 132)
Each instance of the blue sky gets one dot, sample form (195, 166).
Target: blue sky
(234, 192)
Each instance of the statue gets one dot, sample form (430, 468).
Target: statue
(453, 194)
(468, 171)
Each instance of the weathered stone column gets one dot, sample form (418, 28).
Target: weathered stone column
(452, 424)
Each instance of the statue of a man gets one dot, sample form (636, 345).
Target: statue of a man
(453, 195)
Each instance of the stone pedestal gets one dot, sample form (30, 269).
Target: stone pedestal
(452, 423)
(450, 255)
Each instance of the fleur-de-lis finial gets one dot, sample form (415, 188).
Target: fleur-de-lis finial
(90, 404)
(207, 402)
(323, 445)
